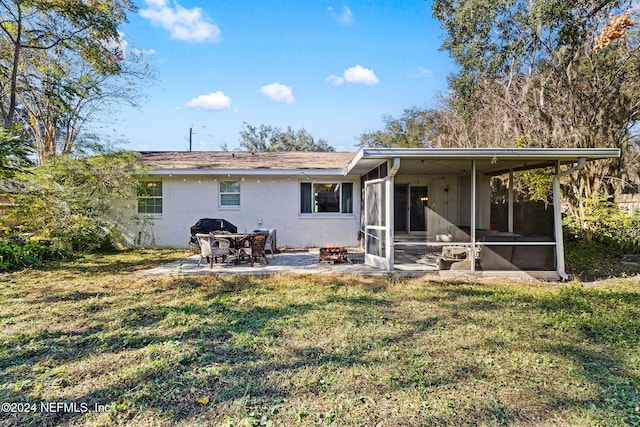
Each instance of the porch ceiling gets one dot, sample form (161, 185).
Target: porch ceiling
(457, 161)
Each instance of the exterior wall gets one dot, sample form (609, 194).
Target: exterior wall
(443, 194)
(450, 200)
(265, 202)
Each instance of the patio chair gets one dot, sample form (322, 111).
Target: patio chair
(204, 242)
(256, 248)
(211, 249)
(220, 248)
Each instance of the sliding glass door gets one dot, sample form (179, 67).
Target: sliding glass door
(410, 208)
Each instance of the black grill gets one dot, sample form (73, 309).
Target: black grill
(207, 225)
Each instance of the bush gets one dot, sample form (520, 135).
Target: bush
(16, 253)
(604, 223)
(82, 234)
(70, 200)
(595, 245)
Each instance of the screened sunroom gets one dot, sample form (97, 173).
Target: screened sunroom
(456, 210)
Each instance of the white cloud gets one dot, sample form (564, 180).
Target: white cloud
(278, 92)
(359, 74)
(335, 80)
(356, 75)
(183, 24)
(345, 17)
(121, 47)
(420, 72)
(143, 52)
(212, 102)
(156, 3)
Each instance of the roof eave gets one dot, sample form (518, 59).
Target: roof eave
(488, 153)
(252, 172)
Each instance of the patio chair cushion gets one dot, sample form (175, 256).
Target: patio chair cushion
(219, 248)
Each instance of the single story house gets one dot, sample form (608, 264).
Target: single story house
(408, 208)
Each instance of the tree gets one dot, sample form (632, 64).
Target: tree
(268, 138)
(530, 72)
(58, 62)
(442, 126)
(14, 153)
(412, 129)
(57, 108)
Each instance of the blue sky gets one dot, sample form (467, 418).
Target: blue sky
(333, 68)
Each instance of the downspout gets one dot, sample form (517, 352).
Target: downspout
(557, 216)
(473, 213)
(394, 168)
(390, 206)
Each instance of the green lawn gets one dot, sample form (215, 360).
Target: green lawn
(312, 350)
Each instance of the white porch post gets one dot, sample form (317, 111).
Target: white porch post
(510, 208)
(389, 207)
(557, 214)
(473, 214)
(557, 222)
(389, 220)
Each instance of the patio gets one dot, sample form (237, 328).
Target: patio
(299, 261)
(409, 263)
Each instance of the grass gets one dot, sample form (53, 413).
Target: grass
(313, 350)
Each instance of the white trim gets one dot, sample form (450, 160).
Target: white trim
(489, 153)
(548, 154)
(227, 193)
(313, 207)
(161, 197)
(381, 262)
(248, 172)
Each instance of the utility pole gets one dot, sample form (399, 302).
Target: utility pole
(191, 133)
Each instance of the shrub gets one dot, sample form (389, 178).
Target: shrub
(604, 223)
(595, 245)
(70, 200)
(16, 253)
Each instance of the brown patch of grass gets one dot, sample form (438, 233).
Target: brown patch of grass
(314, 350)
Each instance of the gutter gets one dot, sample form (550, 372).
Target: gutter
(560, 267)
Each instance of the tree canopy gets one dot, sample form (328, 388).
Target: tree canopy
(268, 138)
(412, 129)
(536, 73)
(547, 74)
(60, 61)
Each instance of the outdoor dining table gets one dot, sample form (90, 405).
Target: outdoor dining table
(237, 242)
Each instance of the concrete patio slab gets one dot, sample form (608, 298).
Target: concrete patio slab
(303, 261)
(307, 261)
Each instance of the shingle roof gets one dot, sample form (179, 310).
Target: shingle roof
(201, 160)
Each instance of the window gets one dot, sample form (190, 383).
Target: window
(150, 197)
(230, 193)
(326, 197)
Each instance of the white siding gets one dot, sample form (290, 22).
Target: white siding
(265, 202)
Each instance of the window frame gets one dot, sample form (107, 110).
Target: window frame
(229, 193)
(150, 197)
(312, 202)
